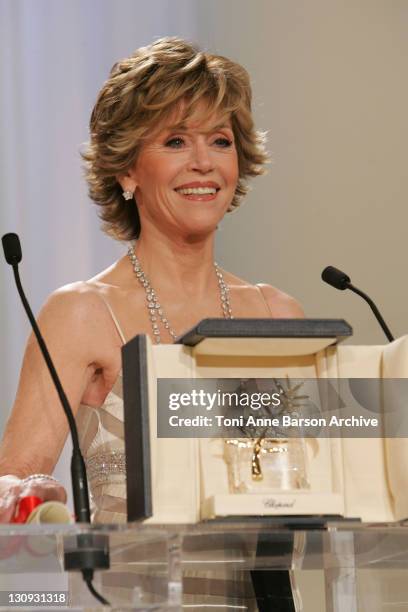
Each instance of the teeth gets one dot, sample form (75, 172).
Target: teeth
(197, 190)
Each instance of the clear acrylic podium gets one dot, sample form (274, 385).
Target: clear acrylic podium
(343, 567)
(173, 545)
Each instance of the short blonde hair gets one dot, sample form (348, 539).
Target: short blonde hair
(141, 93)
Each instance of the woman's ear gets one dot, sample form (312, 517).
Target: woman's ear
(127, 182)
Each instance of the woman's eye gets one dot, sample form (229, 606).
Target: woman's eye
(223, 142)
(175, 142)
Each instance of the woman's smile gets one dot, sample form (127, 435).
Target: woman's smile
(199, 191)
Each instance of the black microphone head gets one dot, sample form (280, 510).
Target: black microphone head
(336, 278)
(12, 248)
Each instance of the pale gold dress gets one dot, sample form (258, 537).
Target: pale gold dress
(101, 435)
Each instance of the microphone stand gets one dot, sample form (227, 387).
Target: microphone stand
(91, 552)
(375, 310)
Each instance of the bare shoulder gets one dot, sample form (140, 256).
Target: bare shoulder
(280, 303)
(76, 316)
(75, 303)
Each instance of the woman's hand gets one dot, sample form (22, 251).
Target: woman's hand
(12, 489)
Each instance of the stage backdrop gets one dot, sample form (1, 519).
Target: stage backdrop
(330, 87)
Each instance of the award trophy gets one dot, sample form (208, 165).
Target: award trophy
(260, 463)
(255, 470)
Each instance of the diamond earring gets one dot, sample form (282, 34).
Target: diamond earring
(128, 195)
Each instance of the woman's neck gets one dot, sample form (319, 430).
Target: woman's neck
(178, 264)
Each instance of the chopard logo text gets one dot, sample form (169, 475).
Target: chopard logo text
(271, 502)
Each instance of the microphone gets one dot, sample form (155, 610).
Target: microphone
(12, 249)
(339, 280)
(90, 556)
(336, 278)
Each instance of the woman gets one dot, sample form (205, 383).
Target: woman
(172, 145)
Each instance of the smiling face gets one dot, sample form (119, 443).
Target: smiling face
(185, 175)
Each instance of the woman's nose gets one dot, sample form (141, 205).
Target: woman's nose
(201, 159)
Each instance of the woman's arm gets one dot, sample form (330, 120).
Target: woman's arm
(37, 428)
(76, 330)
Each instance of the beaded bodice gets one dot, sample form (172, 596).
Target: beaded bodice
(101, 436)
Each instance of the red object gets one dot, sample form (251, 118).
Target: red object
(10, 546)
(25, 507)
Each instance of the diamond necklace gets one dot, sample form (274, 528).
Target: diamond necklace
(155, 310)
